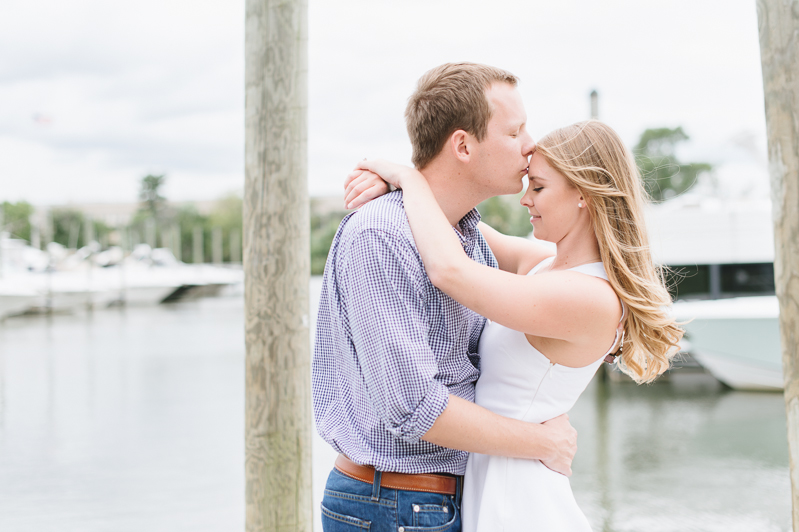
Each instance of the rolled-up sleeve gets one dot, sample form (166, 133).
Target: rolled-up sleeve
(389, 326)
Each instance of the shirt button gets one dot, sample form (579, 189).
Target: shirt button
(416, 508)
(401, 529)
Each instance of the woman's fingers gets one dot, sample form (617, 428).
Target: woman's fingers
(375, 191)
(388, 171)
(356, 185)
(363, 188)
(352, 175)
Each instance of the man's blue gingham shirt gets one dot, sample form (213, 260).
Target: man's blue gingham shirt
(390, 347)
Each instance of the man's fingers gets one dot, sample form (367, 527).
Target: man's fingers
(566, 445)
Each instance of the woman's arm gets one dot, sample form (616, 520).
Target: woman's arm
(514, 254)
(548, 306)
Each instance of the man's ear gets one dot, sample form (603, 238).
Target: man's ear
(460, 143)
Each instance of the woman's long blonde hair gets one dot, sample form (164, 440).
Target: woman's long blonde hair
(593, 158)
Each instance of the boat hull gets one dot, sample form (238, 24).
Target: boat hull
(737, 340)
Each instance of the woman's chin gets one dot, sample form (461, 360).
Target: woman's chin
(539, 235)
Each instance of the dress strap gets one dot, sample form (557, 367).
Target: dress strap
(610, 357)
(541, 264)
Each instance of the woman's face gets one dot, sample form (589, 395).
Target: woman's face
(551, 201)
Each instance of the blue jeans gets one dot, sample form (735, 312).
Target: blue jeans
(351, 505)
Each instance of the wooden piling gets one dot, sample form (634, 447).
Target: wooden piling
(277, 269)
(778, 22)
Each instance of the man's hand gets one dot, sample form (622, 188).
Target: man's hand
(469, 427)
(564, 444)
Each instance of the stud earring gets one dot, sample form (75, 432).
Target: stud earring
(580, 205)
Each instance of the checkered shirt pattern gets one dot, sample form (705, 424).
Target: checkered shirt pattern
(390, 347)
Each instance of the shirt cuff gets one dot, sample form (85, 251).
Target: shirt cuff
(415, 425)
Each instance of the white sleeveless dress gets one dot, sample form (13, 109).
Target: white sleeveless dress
(518, 381)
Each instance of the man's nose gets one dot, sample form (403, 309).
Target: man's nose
(528, 146)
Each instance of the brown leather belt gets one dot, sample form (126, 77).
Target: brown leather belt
(428, 482)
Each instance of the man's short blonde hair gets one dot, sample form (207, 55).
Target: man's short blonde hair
(448, 98)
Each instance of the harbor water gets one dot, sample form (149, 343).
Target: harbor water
(131, 419)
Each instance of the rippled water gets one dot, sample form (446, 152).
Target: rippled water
(132, 419)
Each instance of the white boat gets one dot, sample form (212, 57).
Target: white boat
(737, 340)
(15, 299)
(725, 251)
(62, 280)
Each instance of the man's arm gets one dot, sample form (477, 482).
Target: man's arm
(468, 427)
(388, 325)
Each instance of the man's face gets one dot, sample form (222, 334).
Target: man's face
(502, 156)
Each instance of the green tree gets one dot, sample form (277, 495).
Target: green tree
(69, 228)
(323, 229)
(227, 216)
(664, 175)
(187, 219)
(154, 211)
(16, 219)
(150, 194)
(504, 214)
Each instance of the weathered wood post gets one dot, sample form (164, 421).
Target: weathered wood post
(277, 268)
(778, 22)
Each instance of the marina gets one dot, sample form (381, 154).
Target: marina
(131, 418)
(720, 255)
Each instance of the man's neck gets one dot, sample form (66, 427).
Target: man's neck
(452, 190)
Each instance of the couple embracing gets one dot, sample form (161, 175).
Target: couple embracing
(420, 298)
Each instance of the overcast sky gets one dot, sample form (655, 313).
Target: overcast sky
(96, 94)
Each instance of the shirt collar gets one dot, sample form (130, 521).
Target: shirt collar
(468, 226)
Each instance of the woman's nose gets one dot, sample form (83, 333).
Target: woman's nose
(526, 201)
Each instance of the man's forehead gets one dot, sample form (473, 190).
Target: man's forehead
(504, 98)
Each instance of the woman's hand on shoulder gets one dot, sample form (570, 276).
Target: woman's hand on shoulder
(372, 178)
(361, 187)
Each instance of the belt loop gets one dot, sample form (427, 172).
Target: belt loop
(376, 486)
(458, 490)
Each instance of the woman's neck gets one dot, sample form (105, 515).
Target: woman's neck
(573, 252)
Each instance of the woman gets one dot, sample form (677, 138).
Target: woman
(553, 324)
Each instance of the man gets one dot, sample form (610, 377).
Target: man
(395, 360)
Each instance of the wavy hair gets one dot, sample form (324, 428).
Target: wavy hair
(593, 158)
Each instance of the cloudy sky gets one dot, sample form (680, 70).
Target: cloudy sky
(96, 94)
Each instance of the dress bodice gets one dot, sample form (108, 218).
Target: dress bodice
(518, 381)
